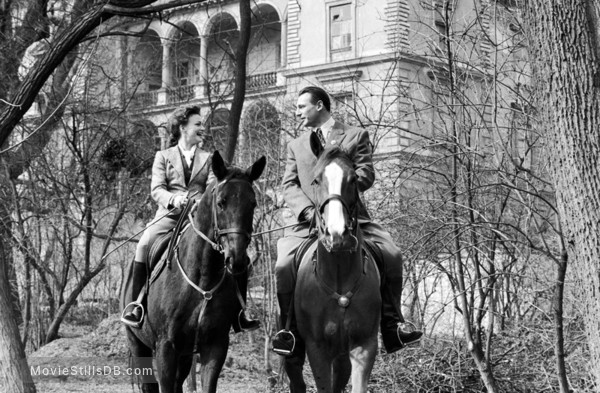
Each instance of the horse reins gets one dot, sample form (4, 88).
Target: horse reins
(216, 245)
(342, 300)
(218, 233)
(352, 228)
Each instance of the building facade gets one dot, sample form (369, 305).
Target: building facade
(379, 59)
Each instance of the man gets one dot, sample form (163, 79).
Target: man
(314, 110)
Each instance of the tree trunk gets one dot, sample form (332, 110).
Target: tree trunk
(564, 51)
(559, 341)
(12, 357)
(12, 379)
(239, 92)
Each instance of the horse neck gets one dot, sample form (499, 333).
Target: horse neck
(339, 270)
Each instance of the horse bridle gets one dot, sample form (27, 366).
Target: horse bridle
(352, 227)
(218, 233)
(216, 245)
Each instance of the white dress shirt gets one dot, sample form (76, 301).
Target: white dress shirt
(327, 127)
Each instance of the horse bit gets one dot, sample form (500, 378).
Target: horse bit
(352, 227)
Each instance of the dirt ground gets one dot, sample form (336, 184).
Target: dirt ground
(81, 351)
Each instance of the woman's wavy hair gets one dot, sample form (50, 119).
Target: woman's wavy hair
(180, 117)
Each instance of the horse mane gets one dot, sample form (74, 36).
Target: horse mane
(328, 155)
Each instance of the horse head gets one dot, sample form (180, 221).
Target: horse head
(233, 204)
(336, 197)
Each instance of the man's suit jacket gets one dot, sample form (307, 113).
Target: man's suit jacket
(168, 178)
(298, 176)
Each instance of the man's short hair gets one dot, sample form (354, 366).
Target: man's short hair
(317, 95)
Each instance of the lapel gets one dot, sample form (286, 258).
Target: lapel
(337, 134)
(304, 143)
(175, 159)
(200, 158)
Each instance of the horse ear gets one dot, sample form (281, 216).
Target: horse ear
(218, 166)
(315, 145)
(257, 168)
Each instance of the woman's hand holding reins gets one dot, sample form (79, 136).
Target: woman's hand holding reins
(179, 201)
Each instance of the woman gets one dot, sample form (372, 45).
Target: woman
(178, 173)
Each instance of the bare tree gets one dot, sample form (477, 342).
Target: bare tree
(63, 32)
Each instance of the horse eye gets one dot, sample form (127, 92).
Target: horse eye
(221, 203)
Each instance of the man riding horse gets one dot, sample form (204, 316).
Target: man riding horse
(314, 110)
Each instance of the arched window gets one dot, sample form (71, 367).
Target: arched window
(217, 130)
(186, 55)
(146, 70)
(222, 41)
(265, 41)
(261, 132)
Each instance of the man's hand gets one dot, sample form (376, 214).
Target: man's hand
(307, 214)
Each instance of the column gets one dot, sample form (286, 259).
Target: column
(283, 45)
(166, 66)
(166, 73)
(204, 65)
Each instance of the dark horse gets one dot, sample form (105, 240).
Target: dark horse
(337, 301)
(191, 306)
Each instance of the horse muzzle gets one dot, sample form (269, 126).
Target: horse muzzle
(237, 265)
(336, 243)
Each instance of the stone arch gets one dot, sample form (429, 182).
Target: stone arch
(222, 37)
(217, 130)
(261, 134)
(146, 70)
(264, 51)
(185, 59)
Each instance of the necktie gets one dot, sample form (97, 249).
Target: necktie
(320, 135)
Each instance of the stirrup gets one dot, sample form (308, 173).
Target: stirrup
(133, 324)
(292, 338)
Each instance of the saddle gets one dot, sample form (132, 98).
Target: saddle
(369, 247)
(161, 251)
(158, 248)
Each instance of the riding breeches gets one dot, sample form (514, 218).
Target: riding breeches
(153, 230)
(285, 272)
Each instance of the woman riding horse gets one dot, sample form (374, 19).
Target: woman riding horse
(191, 306)
(179, 172)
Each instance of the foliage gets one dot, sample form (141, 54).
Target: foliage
(523, 361)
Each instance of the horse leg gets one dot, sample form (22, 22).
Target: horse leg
(183, 370)
(213, 351)
(294, 365)
(362, 359)
(340, 373)
(167, 363)
(141, 359)
(321, 366)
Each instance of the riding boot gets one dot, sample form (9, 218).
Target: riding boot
(284, 341)
(135, 311)
(392, 334)
(243, 323)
